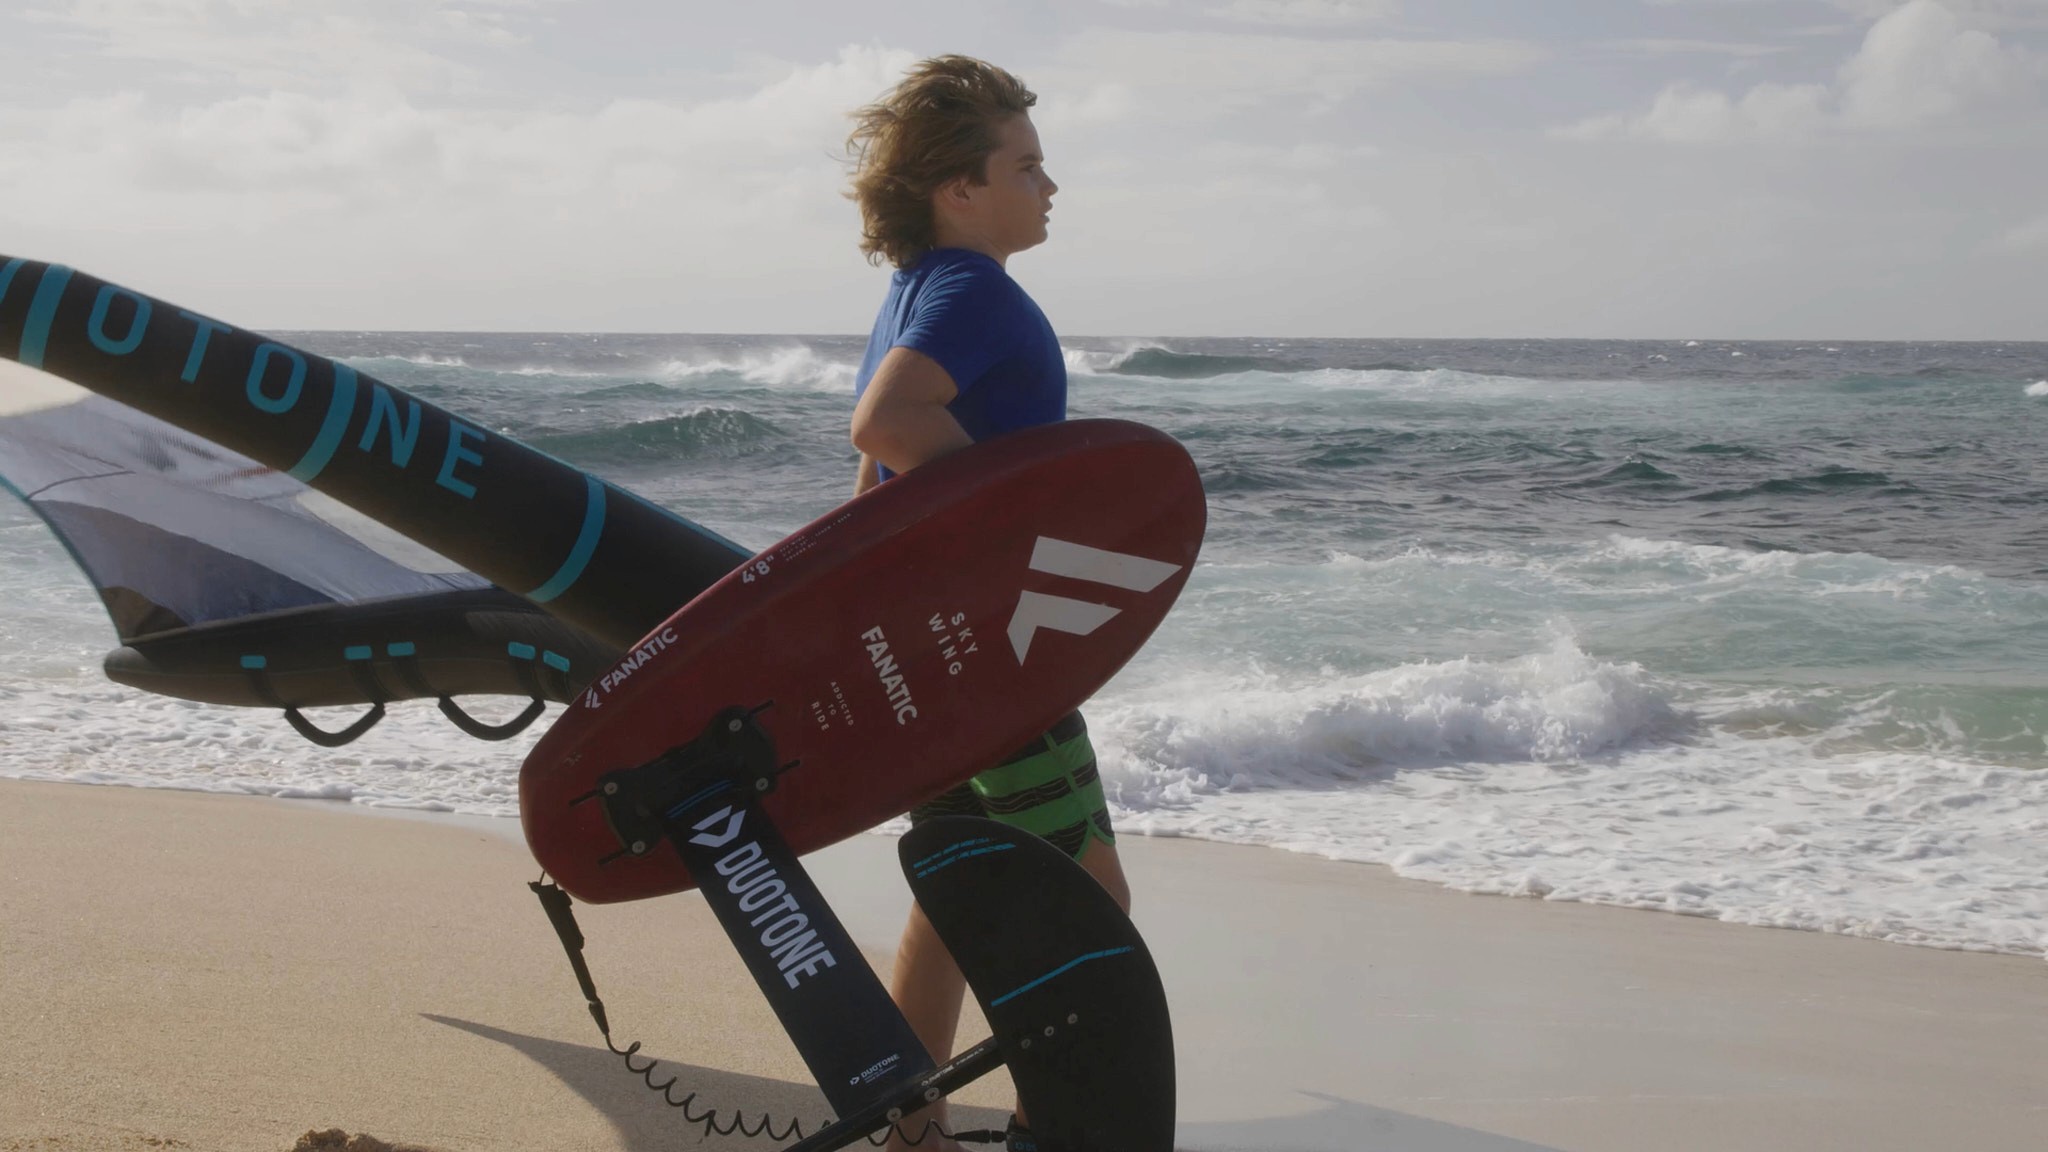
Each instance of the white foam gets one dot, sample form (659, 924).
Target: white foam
(1542, 766)
(421, 359)
(86, 730)
(1567, 778)
(795, 367)
(1261, 730)
(1430, 380)
(1097, 363)
(2038, 388)
(1639, 566)
(1908, 810)
(1398, 383)
(1634, 566)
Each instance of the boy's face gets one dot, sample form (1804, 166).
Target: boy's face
(1009, 211)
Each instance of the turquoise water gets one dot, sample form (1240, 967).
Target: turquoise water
(1755, 631)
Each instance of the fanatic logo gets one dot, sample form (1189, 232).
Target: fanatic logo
(1037, 610)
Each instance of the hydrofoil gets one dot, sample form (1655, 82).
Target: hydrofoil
(870, 661)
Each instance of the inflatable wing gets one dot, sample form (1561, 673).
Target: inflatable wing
(589, 552)
(257, 517)
(231, 583)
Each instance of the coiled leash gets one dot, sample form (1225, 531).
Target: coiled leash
(557, 904)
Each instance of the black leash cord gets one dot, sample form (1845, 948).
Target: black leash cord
(557, 904)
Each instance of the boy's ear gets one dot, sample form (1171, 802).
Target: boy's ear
(953, 192)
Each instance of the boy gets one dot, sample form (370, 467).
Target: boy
(951, 183)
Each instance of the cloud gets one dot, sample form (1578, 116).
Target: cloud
(1919, 65)
(1678, 47)
(1226, 224)
(1979, 13)
(1317, 157)
(1200, 71)
(390, 164)
(2030, 236)
(1688, 115)
(294, 44)
(1305, 13)
(380, 170)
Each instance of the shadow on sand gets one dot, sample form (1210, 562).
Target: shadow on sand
(1346, 1126)
(646, 1124)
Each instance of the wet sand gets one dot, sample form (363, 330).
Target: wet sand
(183, 970)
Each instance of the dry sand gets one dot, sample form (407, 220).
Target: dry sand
(188, 971)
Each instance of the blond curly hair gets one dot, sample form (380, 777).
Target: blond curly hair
(935, 126)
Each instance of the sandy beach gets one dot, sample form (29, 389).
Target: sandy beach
(186, 970)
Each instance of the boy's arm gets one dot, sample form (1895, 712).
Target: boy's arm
(867, 477)
(901, 419)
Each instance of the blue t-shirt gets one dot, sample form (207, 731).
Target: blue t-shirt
(961, 309)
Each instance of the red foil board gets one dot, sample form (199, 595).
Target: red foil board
(885, 638)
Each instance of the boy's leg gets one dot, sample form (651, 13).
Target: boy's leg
(1051, 789)
(928, 989)
(1100, 859)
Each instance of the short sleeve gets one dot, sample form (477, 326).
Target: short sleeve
(965, 319)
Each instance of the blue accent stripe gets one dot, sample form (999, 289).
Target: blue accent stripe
(7, 272)
(1074, 963)
(586, 544)
(42, 312)
(402, 648)
(699, 798)
(356, 652)
(952, 860)
(519, 651)
(340, 407)
(956, 846)
(558, 663)
(253, 662)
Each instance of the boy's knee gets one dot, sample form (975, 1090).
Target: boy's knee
(1100, 860)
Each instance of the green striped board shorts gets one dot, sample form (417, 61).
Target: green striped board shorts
(1049, 788)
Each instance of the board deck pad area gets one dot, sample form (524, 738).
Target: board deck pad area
(891, 649)
(1065, 981)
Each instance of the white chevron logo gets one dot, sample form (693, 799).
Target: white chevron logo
(711, 839)
(1037, 610)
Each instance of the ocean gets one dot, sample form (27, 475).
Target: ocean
(1753, 631)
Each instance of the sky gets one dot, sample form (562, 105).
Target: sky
(1654, 169)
